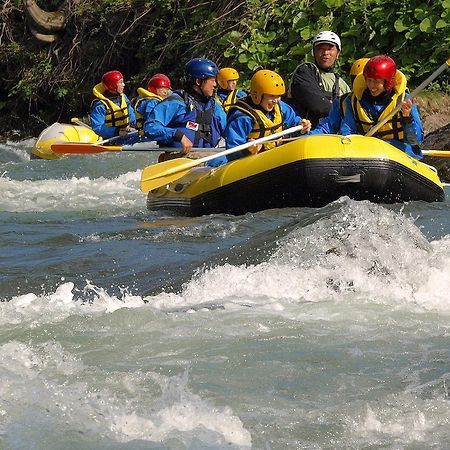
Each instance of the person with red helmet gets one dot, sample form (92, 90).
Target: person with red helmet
(376, 93)
(111, 111)
(158, 88)
(314, 85)
(331, 124)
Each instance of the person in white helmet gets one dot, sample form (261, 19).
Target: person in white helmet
(315, 85)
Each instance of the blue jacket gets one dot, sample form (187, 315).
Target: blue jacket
(146, 106)
(331, 124)
(239, 126)
(412, 128)
(200, 119)
(97, 116)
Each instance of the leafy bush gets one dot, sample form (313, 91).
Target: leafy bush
(54, 81)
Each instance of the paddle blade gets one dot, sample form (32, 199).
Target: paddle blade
(163, 173)
(83, 148)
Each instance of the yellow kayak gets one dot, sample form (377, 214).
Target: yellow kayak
(309, 171)
(61, 132)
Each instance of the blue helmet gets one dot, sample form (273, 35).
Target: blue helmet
(200, 69)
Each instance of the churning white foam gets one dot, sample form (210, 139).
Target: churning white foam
(121, 193)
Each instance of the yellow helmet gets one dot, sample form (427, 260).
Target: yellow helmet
(225, 75)
(266, 82)
(358, 66)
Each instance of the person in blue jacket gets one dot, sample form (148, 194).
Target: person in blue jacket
(331, 124)
(376, 93)
(111, 112)
(158, 88)
(260, 114)
(189, 117)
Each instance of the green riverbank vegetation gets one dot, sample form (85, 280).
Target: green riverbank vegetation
(53, 52)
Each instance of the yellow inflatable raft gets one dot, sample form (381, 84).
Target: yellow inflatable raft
(61, 132)
(309, 171)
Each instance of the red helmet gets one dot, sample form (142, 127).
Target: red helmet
(159, 80)
(381, 67)
(110, 80)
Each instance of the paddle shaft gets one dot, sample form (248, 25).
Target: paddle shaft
(437, 153)
(156, 176)
(83, 148)
(243, 146)
(418, 89)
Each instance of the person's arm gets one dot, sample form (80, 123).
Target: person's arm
(307, 94)
(98, 114)
(348, 124)
(236, 133)
(291, 118)
(412, 127)
(146, 107)
(157, 126)
(222, 116)
(332, 123)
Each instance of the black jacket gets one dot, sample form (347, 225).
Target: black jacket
(308, 96)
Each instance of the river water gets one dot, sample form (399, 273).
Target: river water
(297, 328)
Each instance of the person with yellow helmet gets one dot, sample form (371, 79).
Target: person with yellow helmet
(260, 114)
(227, 93)
(331, 124)
(376, 93)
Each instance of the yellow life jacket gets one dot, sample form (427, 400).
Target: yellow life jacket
(116, 115)
(227, 102)
(393, 128)
(262, 125)
(143, 94)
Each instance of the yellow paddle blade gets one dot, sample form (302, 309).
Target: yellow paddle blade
(166, 172)
(83, 148)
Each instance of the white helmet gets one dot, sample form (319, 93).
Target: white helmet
(328, 37)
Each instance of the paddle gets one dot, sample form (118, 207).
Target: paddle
(437, 153)
(80, 148)
(418, 89)
(86, 148)
(166, 172)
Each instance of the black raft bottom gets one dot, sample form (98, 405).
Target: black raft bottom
(313, 183)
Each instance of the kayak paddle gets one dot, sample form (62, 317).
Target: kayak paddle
(86, 148)
(166, 172)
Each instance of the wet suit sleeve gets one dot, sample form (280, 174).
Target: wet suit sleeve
(220, 113)
(290, 117)
(98, 114)
(413, 128)
(306, 93)
(157, 127)
(236, 133)
(348, 124)
(332, 123)
(146, 106)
